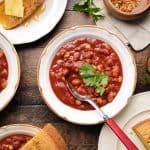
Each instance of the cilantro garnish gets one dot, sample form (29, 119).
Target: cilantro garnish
(94, 79)
(89, 7)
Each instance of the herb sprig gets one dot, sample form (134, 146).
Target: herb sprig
(94, 79)
(89, 7)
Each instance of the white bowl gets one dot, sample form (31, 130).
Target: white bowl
(14, 72)
(78, 116)
(14, 129)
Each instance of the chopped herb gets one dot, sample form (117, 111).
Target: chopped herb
(94, 79)
(89, 7)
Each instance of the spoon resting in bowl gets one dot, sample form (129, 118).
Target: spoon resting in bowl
(109, 121)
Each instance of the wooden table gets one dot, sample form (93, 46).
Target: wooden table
(28, 107)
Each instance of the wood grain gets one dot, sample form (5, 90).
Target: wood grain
(28, 107)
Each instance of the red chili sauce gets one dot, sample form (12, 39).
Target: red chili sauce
(14, 142)
(3, 70)
(68, 61)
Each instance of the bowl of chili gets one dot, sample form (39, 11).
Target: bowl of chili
(9, 71)
(16, 135)
(127, 9)
(96, 63)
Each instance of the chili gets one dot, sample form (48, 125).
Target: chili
(14, 142)
(67, 63)
(3, 70)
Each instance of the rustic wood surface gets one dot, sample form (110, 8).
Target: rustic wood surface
(28, 107)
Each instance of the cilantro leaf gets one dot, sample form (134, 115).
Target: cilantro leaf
(87, 70)
(100, 90)
(94, 79)
(89, 7)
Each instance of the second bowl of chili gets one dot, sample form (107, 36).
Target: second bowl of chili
(96, 63)
(9, 71)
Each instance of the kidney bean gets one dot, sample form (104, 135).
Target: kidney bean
(99, 101)
(1, 54)
(65, 71)
(93, 41)
(120, 79)
(16, 144)
(89, 61)
(8, 140)
(88, 54)
(70, 46)
(110, 96)
(109, 61)
(66, 55)
(115, 71)
(78, 64)
(68, 65)
(76, 56)
(100, 68)
(113, 56)
(76, 82)
(78, 102)
(59, 75)
(102, 51)
(52, 73)
(60, 84)
(3, 84)
(59, 62)
(105, 46)
(81, 90)
(4, 73)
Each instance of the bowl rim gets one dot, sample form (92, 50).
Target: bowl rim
(19, 129)
(125, 13)
(46, 49)
(12, 48)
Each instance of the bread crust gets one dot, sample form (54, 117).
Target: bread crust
(142, 130)
(53, 132)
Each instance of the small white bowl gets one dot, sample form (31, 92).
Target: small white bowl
(7, 94)
(14, 129)
(78, 116)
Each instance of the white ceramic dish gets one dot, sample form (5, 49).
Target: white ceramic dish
(137, 110)
(35, 29)
(18, 129)
(14, 72)
(78, 116)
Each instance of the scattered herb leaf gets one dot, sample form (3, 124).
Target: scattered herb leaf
(147, 78)
(89, 7)
(94, 79)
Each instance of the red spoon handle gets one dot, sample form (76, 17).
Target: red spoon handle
(121, 135)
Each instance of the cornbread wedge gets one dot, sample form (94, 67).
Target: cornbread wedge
(9, 22)
(142, 130)
(47, 139)
(52, 131)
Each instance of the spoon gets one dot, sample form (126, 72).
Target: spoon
(109, 121)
